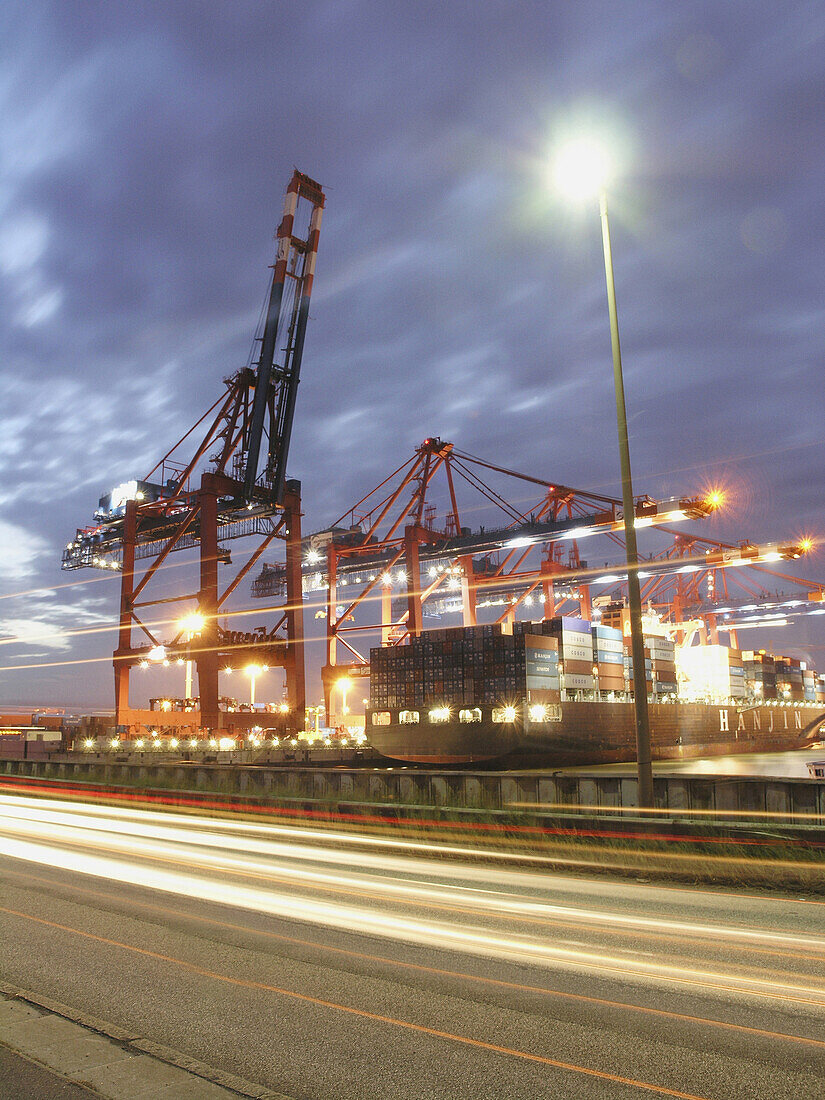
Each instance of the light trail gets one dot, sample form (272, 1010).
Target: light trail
(555, 839)
(185, 861)
(480, 1044)
(48, 824)
(464, 976)
(233, 823)
(373, 890)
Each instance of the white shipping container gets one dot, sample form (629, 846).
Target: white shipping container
(577, 653)
(570, 637)
(577, 680)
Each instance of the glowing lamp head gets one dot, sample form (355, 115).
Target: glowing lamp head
(344, 683)
(582, 168)
(192, 623)
(253, 670)
(715, 498)
(806, 545)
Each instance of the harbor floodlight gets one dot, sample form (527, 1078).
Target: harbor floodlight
(193, 623)
(344, 684)
(253, 672)
(582, 168)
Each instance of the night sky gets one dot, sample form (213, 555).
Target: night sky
(144, 151)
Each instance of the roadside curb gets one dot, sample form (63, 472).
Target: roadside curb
(140, 1046)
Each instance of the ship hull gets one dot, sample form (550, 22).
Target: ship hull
(603, 733)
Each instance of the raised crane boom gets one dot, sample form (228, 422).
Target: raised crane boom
(276, 387)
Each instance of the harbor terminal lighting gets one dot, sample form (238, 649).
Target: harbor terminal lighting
(582, 170)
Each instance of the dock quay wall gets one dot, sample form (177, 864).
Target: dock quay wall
(797, 802)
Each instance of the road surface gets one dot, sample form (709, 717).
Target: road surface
(324, 965)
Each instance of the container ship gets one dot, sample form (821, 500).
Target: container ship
(559, 693)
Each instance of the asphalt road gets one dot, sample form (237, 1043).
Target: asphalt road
(325, 966)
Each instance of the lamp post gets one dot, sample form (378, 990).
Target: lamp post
(344, 684)
(581, 170)
(253, 672)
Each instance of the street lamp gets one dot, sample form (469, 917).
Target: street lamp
(344, 684)
(253, 672)
(582, 170)
(191, 625)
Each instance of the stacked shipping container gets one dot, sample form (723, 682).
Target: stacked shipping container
(608, 658)
(570, 658)
(575, 643)
(760, 674)
(789, 682)
(465, 666)
(660, 665)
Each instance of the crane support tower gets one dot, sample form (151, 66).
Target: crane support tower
(226, 483)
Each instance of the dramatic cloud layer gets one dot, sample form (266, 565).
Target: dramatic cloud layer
(144, 148)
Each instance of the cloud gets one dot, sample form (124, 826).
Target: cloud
(20, 552)
(29, 632)
(68, 434)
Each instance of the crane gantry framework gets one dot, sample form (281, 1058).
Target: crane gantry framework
(386, 563)
(224, 479)
(704, 586)
(388, 552)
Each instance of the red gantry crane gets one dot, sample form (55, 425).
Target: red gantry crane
(224, 479)
(388, 552)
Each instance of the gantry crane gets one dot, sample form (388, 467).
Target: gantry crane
(385, 564)
(227, 483)
(388, 551)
